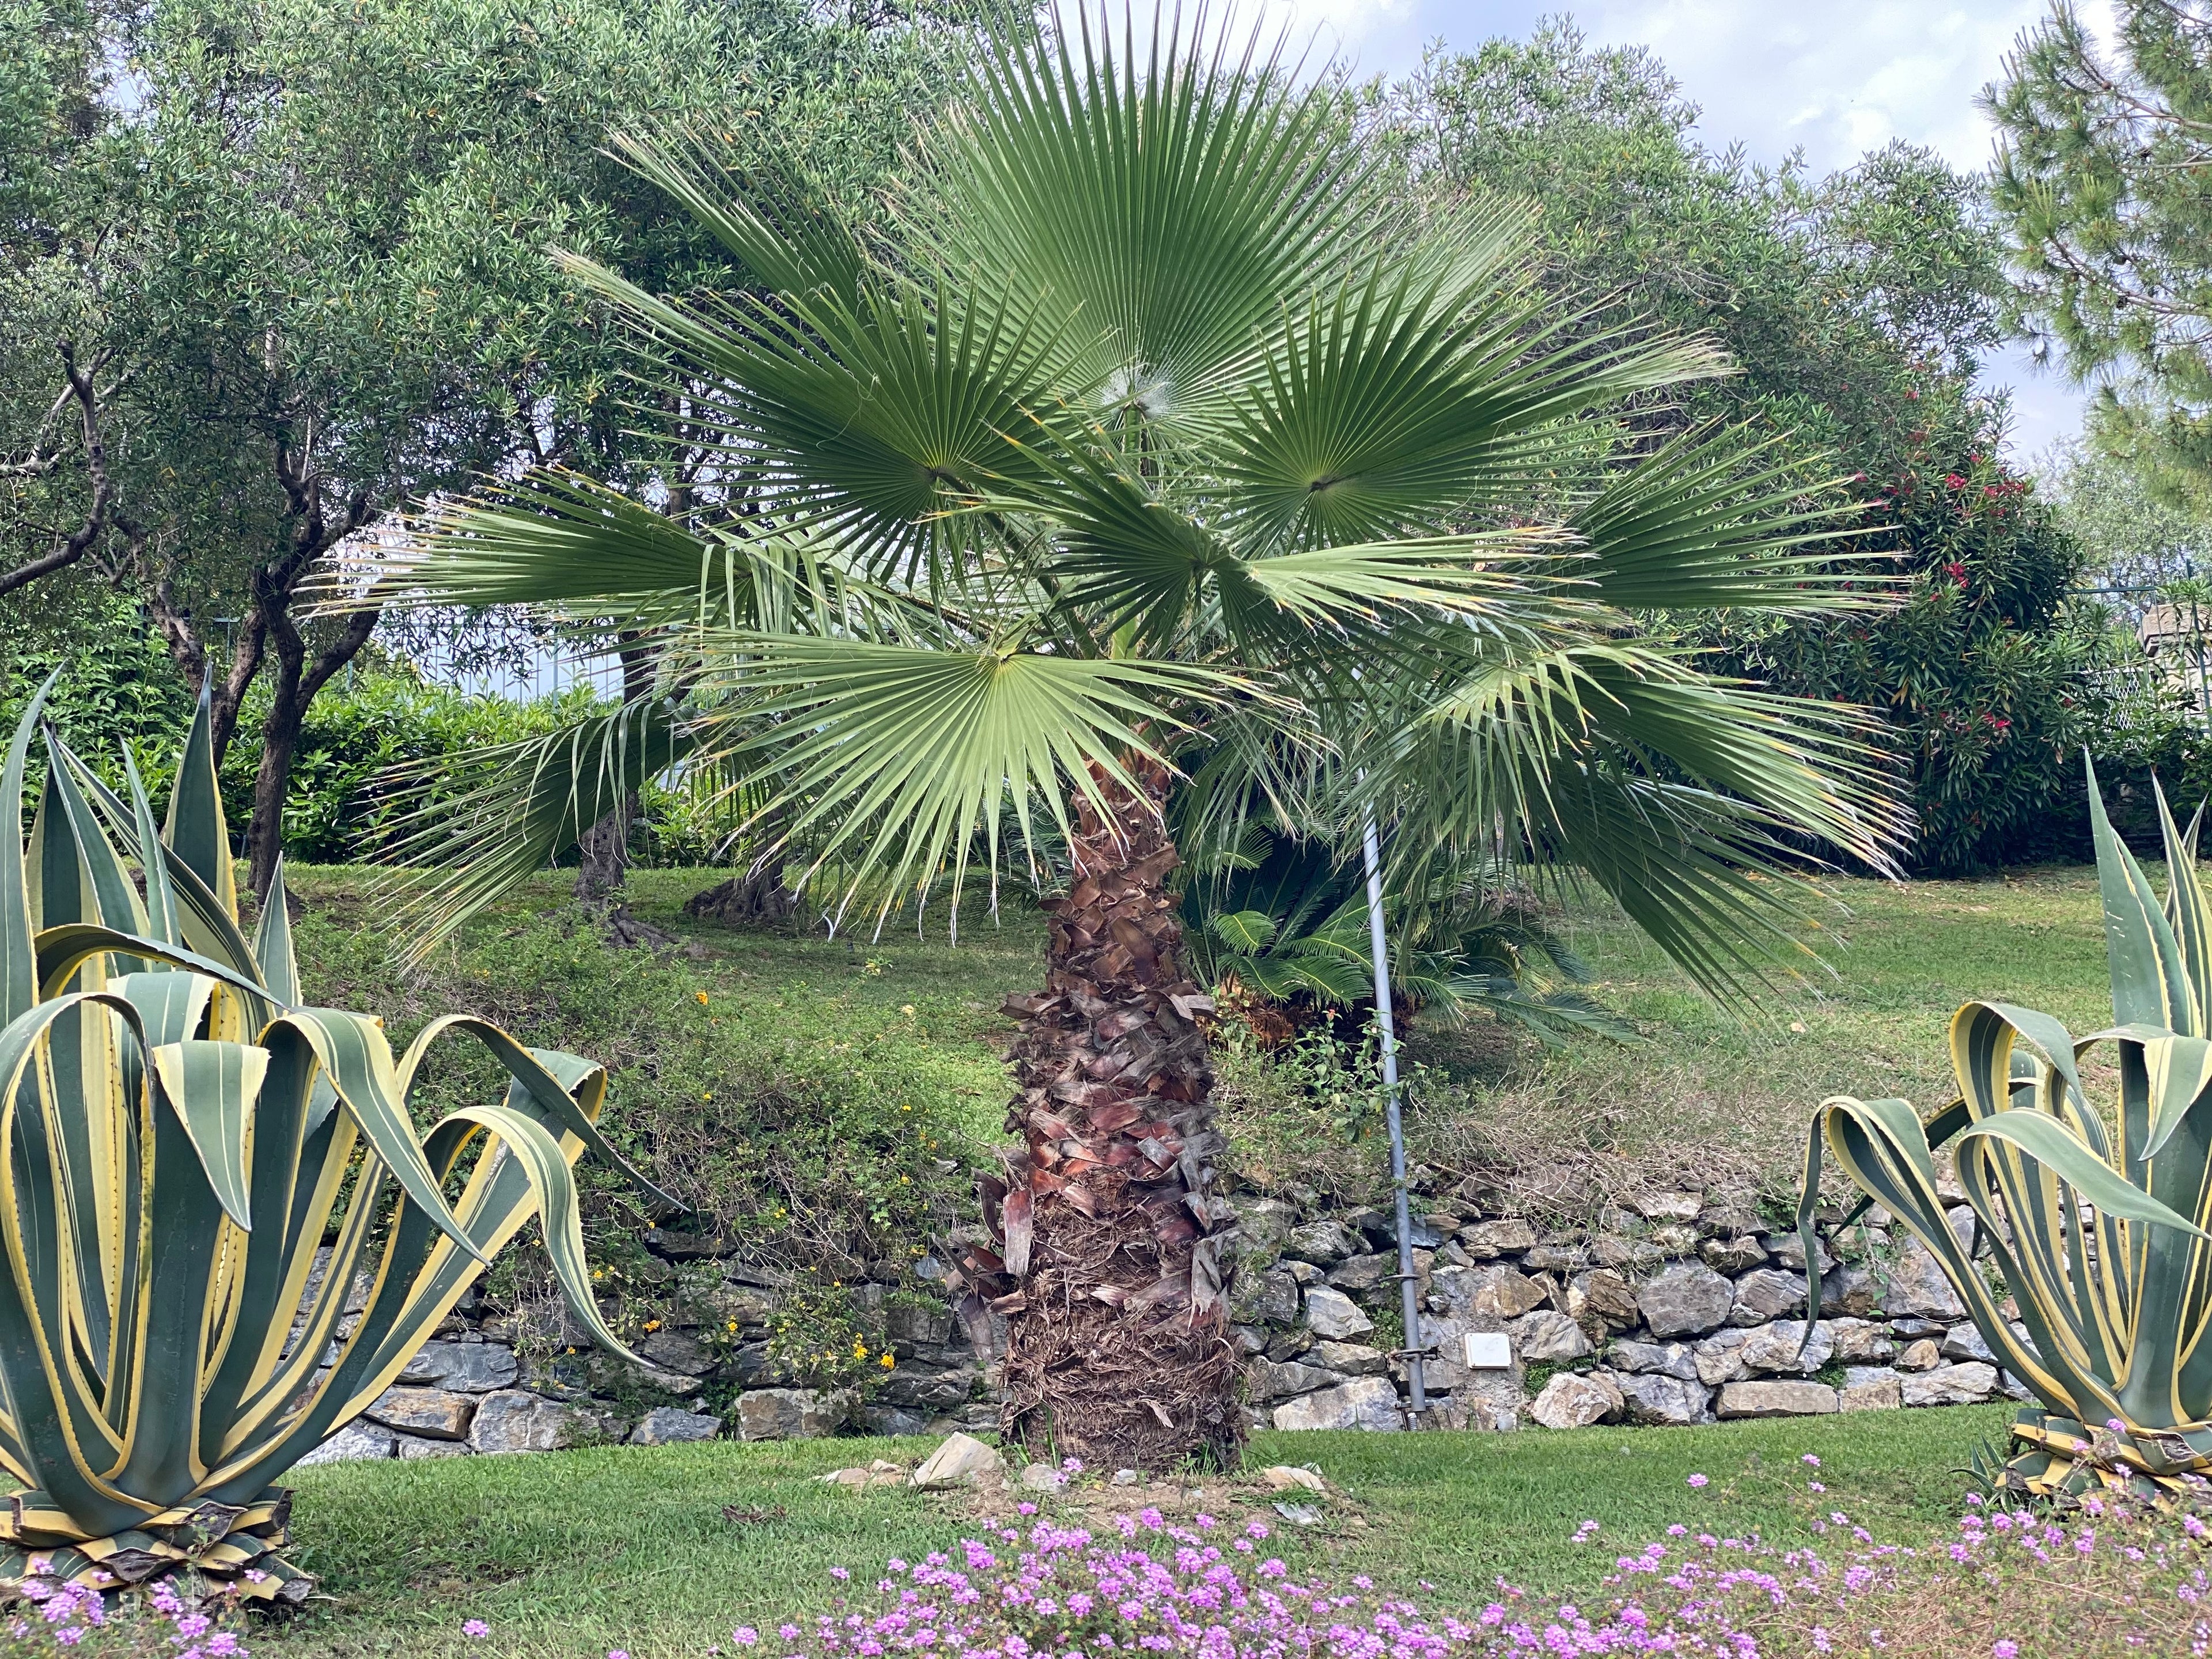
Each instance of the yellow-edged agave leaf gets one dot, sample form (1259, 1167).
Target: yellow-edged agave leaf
(2100, 1240)
(180, 1137)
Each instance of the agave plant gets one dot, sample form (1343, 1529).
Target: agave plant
(182, 1140)
(2095, 1221)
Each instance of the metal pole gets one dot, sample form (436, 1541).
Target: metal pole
(1409, 1296)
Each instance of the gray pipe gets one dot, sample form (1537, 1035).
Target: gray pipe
(1386, 1017)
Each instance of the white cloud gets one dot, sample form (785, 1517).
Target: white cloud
(1835, 78)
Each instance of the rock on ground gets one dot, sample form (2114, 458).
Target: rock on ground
(961, 1460)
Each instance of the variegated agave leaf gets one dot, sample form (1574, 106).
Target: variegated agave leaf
(182, 1138)
(2100, 1238)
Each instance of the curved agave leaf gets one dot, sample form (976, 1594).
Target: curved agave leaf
(168, 1168)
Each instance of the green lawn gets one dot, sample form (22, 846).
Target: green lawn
(1720, 1096)
(569, 1555)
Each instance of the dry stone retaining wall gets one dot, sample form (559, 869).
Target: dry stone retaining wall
(1686, 1308)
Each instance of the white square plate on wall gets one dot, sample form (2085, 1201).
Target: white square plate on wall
(1486, 1351)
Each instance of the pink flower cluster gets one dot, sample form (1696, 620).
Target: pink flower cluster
(61, 1620)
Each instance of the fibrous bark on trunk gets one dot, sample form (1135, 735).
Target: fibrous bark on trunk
(1109, 1265)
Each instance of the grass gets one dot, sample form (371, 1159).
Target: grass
(571, 1555)
(1717, 1097)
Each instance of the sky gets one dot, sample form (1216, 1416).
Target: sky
(1831, 78)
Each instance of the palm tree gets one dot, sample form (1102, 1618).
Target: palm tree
(1143, 422)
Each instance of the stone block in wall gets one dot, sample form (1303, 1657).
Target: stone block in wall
(1914, 1285)
(1965, 1342)
(1661, 1358)
(666, 1425)
(1544, 1337)
(1487, 1240)
(676, 1351)
(1263, 1227)
(793, 1413)
(1572, 1401)
(1352, 1359)
(1775, 1399)
(1333, 1315)
(1270, 1298)
(893, 1420)
(1851, 1291)
(1324, 1242)
(1625, 1255)
(1602, 1297)
(914, 1322)
(1668, 1206)
(412, 1448)
(1686, 1299)
(1922, 1355)
(1950, 1385)
(432, 1412)
(1264, 1379)
(1496, 1290)
(462, 1367)
(1361, 1274)
(1861, 1342)
(1288, 1345)
(513, 1420)
(1720, 1358)
(1733, 1255)
(1365, 1402)
(1790, 1250)
(1556, 1257)
(1880, 1393)
(928, 1390)
(1765, 1294)
(350, 1445)
(1785, 1346)
(1655, 1398)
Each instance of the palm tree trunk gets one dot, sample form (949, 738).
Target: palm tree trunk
(1120, 1351)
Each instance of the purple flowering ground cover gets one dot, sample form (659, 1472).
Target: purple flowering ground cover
(1725, 1540)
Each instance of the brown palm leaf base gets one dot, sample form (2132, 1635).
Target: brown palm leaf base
(1104, 1367)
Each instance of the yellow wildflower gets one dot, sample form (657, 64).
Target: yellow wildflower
(886, 1362)
(702, 995)
(653, 1324)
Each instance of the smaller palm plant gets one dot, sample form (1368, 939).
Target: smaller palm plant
(182, 1140)
(2095, 1221)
